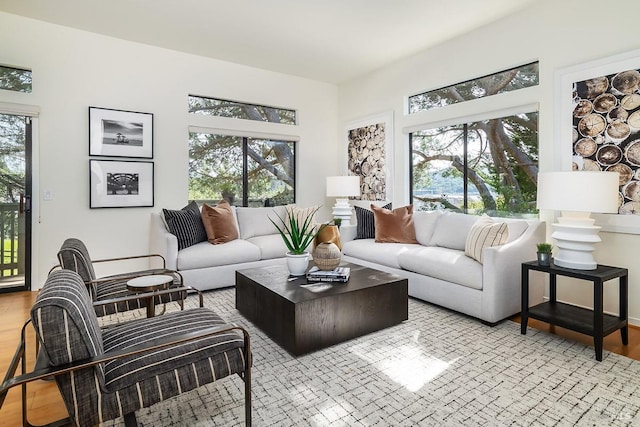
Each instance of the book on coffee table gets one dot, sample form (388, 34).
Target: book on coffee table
(338, 274)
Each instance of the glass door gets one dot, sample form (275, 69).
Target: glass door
(15, 202)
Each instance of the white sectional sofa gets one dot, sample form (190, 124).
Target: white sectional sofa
(437, 267)
(206, 266)
(439, 271)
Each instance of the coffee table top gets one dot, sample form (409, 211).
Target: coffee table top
(297, 289)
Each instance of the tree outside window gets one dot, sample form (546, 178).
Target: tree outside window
(482, 167)
(488, 166)
(245, 171)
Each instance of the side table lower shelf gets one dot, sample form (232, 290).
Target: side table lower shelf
(575, 318)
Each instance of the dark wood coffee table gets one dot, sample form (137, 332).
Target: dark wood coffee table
(304, 318)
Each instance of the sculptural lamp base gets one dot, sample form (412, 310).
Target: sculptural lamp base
(575, 237)
(342, 210)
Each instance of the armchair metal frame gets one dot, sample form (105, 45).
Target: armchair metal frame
(19, 358)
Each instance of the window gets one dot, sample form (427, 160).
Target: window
(487, 166)
(239, 110)
(504, 81)
(244, 171)
(15, 79)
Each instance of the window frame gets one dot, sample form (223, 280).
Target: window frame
(246, 104)
(8, 68)
(245, 139)
(426, 92)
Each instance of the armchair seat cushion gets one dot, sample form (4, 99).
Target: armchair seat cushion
(206, 359)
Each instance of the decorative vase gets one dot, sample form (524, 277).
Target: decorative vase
(327, 256)
(544, 259)
(331, 234)
(297, 263)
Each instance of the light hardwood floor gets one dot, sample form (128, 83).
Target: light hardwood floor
(45, 403)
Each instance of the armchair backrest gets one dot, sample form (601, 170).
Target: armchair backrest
(73, 255)
(65, 320)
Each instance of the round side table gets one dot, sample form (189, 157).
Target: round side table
(150, 284)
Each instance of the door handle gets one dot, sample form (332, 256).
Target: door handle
(25, 203)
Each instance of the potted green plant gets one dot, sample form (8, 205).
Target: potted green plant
(298, 233)
(337, 222)
(544, 253)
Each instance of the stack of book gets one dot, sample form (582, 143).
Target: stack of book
(338, 274)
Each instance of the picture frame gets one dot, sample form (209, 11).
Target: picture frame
(120, 184)
(569, 83)
(120, 133)
(369, 142)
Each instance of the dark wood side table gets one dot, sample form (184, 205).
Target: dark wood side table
(590, 322)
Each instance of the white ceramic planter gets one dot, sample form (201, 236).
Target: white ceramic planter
(297, 264)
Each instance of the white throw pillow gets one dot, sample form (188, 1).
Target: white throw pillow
(485, 233)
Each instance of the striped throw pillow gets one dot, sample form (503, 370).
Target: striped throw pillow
(485, 233)
(186, 225)
(366, 226)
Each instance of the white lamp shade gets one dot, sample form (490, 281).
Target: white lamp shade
(343, 186)
(578, 191)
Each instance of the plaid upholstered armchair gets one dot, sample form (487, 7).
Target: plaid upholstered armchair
(73, 255)
(108, 373)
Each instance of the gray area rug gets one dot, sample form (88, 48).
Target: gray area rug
(438, 368)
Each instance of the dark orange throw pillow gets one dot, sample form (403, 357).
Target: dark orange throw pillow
(394, 226)
(219, 223)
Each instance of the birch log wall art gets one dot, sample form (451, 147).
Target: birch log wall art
(606, 131)
(369, 153)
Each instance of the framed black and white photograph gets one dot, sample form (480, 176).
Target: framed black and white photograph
(117, 133)
(120, 184)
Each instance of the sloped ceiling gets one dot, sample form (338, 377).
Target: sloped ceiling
(325, 40)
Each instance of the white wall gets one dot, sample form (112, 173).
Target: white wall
(73, 70)
(559, 35)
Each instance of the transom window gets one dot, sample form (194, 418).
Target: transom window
(239, 110)
(492, 84)
(242, 170)
(15, 79)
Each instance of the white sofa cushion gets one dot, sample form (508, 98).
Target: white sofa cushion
(443, 263)
(271, 246)
(451, 230)
(205, 254)
(255, 221)
(380, 253)
(425, 224)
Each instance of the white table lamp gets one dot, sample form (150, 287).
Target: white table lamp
(343, 187)
(577, 194)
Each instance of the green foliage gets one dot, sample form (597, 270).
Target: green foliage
(544, 248)
(296, 233)
(216, 162)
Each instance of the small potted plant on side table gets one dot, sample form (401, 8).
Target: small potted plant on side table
(544, 254)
